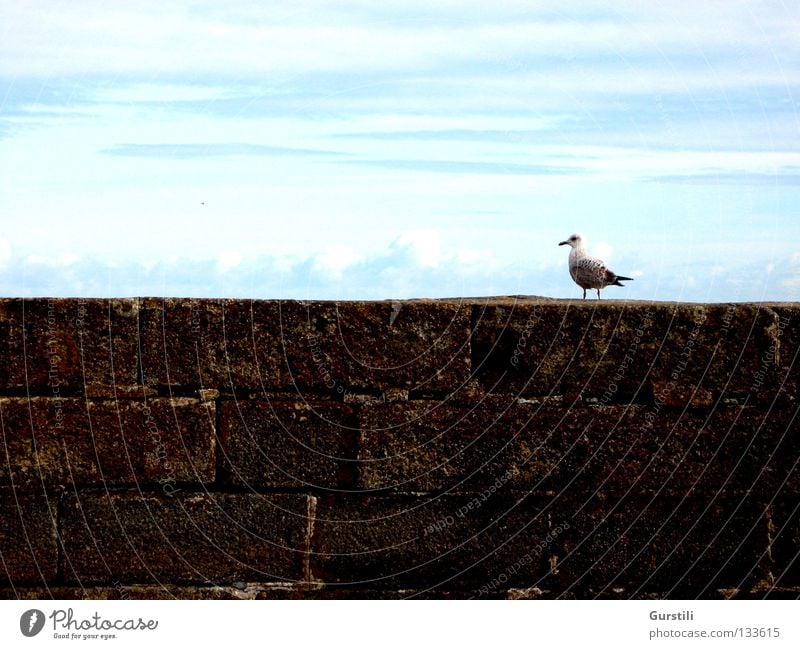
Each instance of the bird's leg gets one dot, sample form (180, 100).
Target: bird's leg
(598, 293)
(584, 294)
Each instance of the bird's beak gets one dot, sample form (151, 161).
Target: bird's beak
(564, 243)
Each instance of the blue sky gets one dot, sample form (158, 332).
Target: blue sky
(345, 150)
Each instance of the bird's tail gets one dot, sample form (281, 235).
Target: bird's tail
(620, 277)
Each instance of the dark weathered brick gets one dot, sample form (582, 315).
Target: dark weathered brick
(53, 592)
(324, 346)
(762, 593)
(442, 543)
(219, 538)
(348, 593)
(83, 442)
(27, 537)
(684, 547)
(785, 542)
(708, 352)
(48, 442)
(643, 449)
(432, 447)
(425, 346)
(290, 444)
(66, 345)
(164, 591)
(521, 448)
(552, 347)
(784, 372)
(682, 353)
(216, 344)
(495, 445)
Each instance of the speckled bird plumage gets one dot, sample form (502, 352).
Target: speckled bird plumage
(587, 271)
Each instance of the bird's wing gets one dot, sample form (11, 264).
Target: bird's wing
(591, 272)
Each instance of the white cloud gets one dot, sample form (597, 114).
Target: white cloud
(283, 264)
(603, 250)
(66, 259)
(334, 259)
(164, 92)
(469, 257)
(60, 261)
(426, 246)
(484, 85)
(399, 124)
(477, 262)
(629, 161)
(5, 253)
(228, 260)
(180, 37)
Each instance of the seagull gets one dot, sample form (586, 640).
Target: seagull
(587, 271)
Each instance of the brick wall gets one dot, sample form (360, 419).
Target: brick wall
(495, 448)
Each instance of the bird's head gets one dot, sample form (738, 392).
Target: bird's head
(574, 241)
